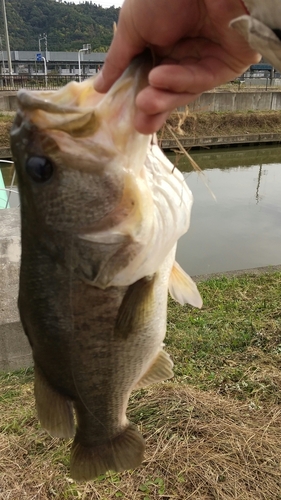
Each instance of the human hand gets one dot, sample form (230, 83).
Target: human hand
(197, 49)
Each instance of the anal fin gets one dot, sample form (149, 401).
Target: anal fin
(123, 452)
(160, 370)
(182, 288)
(55, 412)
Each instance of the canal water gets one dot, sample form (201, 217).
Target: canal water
(242, 228)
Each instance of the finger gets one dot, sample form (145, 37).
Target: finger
(148, 124)
(193, 77)
(152, 101)
(150, 118)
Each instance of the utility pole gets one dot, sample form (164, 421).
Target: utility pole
(87, 50)
(45, 38)
(3, 61)
(40, 58)
(45, 71)
(7, 41)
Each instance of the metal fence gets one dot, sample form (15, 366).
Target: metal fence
(256, 83)
(41, 82)
(36, 82)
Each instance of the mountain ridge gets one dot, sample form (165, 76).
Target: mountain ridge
(67, 25)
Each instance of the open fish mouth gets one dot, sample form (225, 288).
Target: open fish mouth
(261, 27)
(78, 112)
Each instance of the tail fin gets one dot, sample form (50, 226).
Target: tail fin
(123, 452)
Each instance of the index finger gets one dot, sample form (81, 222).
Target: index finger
(122, 50)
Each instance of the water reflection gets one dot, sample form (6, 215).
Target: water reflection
(242, 228)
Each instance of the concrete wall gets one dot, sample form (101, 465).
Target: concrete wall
(237, 101)
(8, 101)
(15, 352)
(209, 101)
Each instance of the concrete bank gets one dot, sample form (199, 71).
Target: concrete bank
(222, 100)
(15, 352)
(8, 101)
(222, 141)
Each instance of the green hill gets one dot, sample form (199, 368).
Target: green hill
(67, 25)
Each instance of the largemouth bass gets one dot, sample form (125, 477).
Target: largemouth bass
(101, 210)
(261, 27)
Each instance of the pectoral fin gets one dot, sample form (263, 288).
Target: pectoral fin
(182, 288)
(160, 370)
(136, 307)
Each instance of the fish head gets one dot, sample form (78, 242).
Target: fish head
(74, 148)
(261, 27)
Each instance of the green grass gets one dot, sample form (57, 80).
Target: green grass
(6, 117)
(230, 343)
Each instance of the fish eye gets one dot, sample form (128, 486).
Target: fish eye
(39, 168)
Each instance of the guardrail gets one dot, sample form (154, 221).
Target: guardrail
(38, 82)
(256, 82)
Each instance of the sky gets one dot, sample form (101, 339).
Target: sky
(103, 3)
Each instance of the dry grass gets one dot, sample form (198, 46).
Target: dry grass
(226, 123)
(5, 126)
(199, 446)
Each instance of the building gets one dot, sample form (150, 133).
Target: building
(58, 63)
